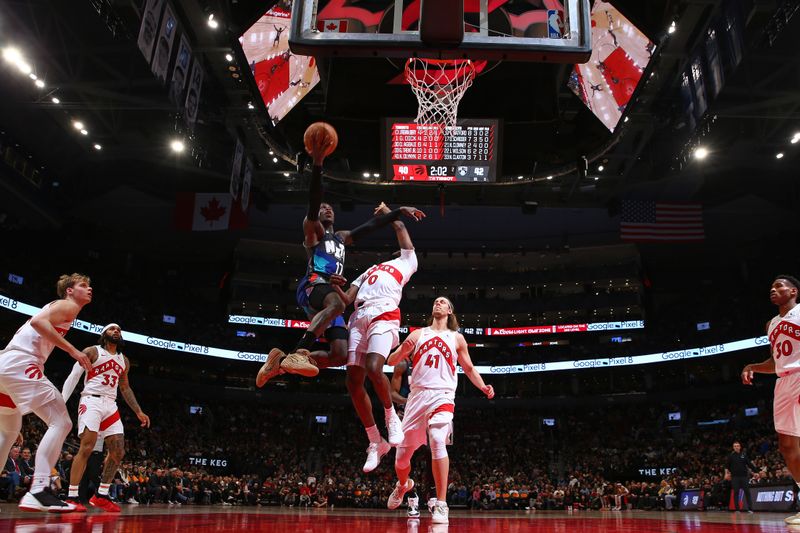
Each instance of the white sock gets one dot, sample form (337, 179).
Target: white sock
(73, 491)
(389, 413)
(40, 482)
(373, 434)
(103, 490)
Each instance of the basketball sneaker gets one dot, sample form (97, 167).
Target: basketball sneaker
(440, 513)
(271, 368)
(301, 363)
(431, 504)
(413, 507)
(793, 520)
(79, 507)
(395, 429)
(44, 501)
(375, 452)
(396, 497)
(104, 503)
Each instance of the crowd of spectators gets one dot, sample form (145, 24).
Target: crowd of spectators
(235, 453)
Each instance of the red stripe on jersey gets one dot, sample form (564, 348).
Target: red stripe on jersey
(444, 408)
(6, 401)
(105, 424)
(105, 367)
(389, 269)
(388, 316)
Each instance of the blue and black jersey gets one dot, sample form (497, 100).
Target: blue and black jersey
(327, 257)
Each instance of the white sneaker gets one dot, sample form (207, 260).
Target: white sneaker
(440, 513)
(396, 497)
(431, 504)
(375, 452)
(132, 501)
(395, 428)
(793, 520)
(413, 507)
(44, 501)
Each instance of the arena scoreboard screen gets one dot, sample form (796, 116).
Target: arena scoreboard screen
(430, 152)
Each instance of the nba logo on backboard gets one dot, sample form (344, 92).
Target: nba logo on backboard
(555, 24)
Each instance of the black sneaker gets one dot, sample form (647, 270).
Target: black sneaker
(44, 501)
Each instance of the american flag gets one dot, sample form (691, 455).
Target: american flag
(661, 222)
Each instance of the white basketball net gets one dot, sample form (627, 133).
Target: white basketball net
(439, 85)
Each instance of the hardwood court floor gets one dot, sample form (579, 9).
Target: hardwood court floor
(199, 519)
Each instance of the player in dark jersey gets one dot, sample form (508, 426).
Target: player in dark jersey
(325, 248)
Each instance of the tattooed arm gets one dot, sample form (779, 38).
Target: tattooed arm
(130, 398)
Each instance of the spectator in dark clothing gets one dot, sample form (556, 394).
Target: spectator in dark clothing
(738, 471)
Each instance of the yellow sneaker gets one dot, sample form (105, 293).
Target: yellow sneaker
(271, 368)
(301, 363)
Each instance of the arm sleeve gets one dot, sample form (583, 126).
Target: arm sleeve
(373, 224)
(71, 381)
(314, 193)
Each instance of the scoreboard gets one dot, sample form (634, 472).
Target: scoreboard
(466, 152)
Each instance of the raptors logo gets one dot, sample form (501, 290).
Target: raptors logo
(34, 372)
(81, 409)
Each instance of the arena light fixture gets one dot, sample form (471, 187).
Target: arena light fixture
(55, 100)
(33, 76)
(366, 174)
(97, 146)
(250, 105)
(519, 177)
(212, 22)
(701, 153)
(78, 125)
(796, 138)
(286, 174)
(779, 155)
(376, 175)
(84, 131)
(12, 55)
(600, 168)
(672, 28)
(39, 84)
(549, 177)
(24, 67)
(177, 146)
(274, 159)
(228, 58)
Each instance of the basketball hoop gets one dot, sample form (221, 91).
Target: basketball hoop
(439, 85)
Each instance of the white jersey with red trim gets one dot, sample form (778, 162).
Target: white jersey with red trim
(105, 374)
(28, 345)
(434, 361)
(784, 338)
(384, 282)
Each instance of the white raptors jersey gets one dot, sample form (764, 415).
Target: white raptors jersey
(385, 282)
(434, 361)
(105, 374)
(784, 338)
(28, 345)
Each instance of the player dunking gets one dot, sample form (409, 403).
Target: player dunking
(373, 328)
(98, 416)
(783, 333)
(24, 387)
(325, 249)
(434, 352)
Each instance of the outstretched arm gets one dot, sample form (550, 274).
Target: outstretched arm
(349, 237)
(469, 369)
(403, 238)
(71, 381)
(312, 228)
(404, 350)
(130, 398)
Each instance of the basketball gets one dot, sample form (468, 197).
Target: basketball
(321, 133)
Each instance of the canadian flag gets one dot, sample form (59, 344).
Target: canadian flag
(204, 211)
(332, 26)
